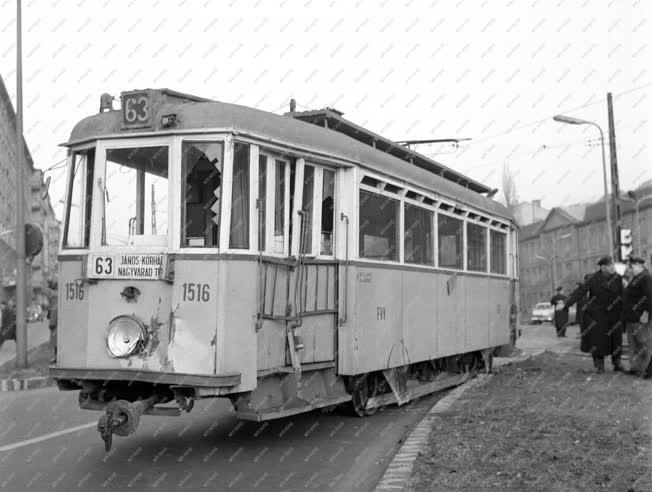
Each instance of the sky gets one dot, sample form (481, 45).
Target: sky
(492, 71)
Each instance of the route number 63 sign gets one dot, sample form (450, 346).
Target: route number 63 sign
(136, 109)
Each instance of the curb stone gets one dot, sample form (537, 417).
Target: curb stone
(399, 471)
(23, 384)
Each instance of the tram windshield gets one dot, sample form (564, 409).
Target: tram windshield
(135, 197)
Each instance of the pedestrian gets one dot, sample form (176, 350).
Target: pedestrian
(602, 332)
(8, 326)
(637, 314)
(53, 318)
(560, 315)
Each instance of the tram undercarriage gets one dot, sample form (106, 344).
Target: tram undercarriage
(277, 395)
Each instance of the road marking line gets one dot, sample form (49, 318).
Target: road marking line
(45, 437)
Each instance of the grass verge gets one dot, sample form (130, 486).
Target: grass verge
(547, 423)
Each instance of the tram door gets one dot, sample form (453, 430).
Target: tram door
(315, 280)
(298, 273)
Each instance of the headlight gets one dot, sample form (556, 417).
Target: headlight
(126, 336)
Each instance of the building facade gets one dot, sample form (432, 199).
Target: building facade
(44, 265)
(527, 213)
(39, 212)
(566, 245)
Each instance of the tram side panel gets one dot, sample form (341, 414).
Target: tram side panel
(236, 338)
(192, 341)
(419, 314)
(450, 322)
(477, 313)
(498, 311)
(72, 329)
(377, 320)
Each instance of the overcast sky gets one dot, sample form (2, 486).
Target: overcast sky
(492, 71)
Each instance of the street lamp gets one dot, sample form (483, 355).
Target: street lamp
(631, 196)
(569, 120)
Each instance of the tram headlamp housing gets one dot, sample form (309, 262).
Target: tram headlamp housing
(126, 336)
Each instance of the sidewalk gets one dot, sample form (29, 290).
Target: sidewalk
(37, 333)
(546, 423)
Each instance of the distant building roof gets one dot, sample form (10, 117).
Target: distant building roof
(530, 230)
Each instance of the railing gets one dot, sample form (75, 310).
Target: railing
(284, 295)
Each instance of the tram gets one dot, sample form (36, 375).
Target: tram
(285, 262)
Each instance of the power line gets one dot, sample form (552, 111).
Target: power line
(570, 110)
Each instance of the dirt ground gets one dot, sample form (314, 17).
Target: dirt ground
(544, 424)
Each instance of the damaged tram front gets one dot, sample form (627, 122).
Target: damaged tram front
(150, 207)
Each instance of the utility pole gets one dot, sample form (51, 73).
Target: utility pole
(615, 186)
(21, 322)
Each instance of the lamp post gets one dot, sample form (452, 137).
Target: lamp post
(569, 120)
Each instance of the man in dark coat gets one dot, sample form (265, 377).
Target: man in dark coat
(8, 324)
(582, 317)
(560, 315)
(637, 315)
(603, 327)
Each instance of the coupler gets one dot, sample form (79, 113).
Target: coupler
(122, 417)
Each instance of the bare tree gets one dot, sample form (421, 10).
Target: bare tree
(509, 187)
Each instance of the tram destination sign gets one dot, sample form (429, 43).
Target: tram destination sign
(136, 109)
(127, 266)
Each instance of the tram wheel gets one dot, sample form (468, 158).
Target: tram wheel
(363, 387)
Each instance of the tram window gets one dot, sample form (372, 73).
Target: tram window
(451, 241)
(78, 225)
(476, 247)
(417, 227)
(378, 237)
(497, 243)
(327, 212)
(262, 194)
(239, 236)
(307, 206)
(136, 196)
(279, 207)
(202, 169)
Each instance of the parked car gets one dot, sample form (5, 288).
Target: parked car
(541, 312)
(544, 312)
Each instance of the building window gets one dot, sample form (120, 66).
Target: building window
(239, 234)
(451, 241)
(477, 247)
(78, 205)
(202, 169)
(378, 238)
(417, 228)
(498, 241)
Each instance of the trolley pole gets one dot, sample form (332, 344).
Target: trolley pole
(21, 324)
(615, 185)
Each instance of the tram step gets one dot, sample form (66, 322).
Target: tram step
(415, 389)
(276, 413)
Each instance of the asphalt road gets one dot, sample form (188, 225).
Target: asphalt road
(208, 449)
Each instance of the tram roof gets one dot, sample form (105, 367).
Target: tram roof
(347, 140)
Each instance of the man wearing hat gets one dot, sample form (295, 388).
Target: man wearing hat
(602, 335)
(560, 316)
(637, 315)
